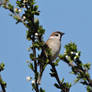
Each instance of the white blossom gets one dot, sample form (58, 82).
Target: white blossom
(64, 51)
(28, 78)
(16, 9)
(75, 58)
(33, 81)
(24, 17)
(36, 34)
(77, 54)
(20, 10)
(72, 52)
(25, 1)
(67, 57)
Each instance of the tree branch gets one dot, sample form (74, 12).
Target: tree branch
(80, 71)
(62, 86)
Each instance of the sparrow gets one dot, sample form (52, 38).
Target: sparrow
(54, 44)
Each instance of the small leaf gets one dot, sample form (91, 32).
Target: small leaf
(32, 56)
(71, 47)
(34, 86)
(57, 61)
(68, 85)
(76, 80)
(89, 89)
(52, 74)
(62, 81)
(2, 66)
(31, 66)
(41, 31)
(35, 7)
(56, 85)
(37, 13)
(52, 70)
(4, 83)
(11, 7)
(28, 35)
(71, 72)
(36, 45)
(42, 90)
(87, 66)
(16, 17)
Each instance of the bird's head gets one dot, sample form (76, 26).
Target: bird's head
(56, 35)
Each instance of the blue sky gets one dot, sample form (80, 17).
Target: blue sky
(74, 17)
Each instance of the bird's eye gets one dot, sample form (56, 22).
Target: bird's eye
(56, 34)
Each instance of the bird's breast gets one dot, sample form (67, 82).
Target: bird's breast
(55, 46)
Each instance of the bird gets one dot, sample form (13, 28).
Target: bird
(54, 44)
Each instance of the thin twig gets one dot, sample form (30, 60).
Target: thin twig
(34, 51)
(2, 86)
(63, 88)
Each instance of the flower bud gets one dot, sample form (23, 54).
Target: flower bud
(77, 54)
(33, 81)
(20, 10)
(67, 57)
(25, 1)
(24, 17)
(36, 34)
(28, 78)
(16, 9)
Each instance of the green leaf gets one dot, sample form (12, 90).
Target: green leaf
(2, 65)
(37, 13)
(35, 44)
(76, 80)
(71, 47)
(42, 90)
(11, 7)
(51, 70)
(34, 86)
(62, 81)
(35, 7)
(89, 89)
(57, 61)
(4, 83)
(87, 66)
(32, 56)
(56, 85)
(87, 75)
(52, 74)
(31, 66)
(36, 22)
(41, 31)
(16, 17)
(71, 72)
(60, 56)
(28, 35)
(68, 85)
